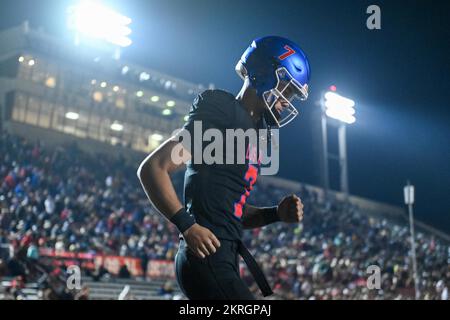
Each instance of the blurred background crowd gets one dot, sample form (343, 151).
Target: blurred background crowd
(64, 199)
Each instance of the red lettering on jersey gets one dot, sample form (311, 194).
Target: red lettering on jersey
(289, 52)
(250, 176)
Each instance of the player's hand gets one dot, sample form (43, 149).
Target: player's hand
(290, 209)
(201, 241)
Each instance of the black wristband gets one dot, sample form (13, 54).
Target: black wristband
(270, 215)
(183, 220)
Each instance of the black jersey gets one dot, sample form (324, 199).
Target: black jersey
(216, 193)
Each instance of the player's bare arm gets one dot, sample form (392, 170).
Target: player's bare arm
(289, 210)
(154, 175)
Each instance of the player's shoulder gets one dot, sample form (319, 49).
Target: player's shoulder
(218, 101)
(215, 98)
(218, 95)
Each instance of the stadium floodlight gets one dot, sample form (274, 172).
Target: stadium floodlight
(72, 115)
(116, 126)
(91, 19)
(339, 107)
(157, 137)
(408, 191)
(170, 103)
(144, 76)
(125, 70)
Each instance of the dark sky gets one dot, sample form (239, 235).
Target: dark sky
(398, 76)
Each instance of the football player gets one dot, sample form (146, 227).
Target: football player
(275, 72)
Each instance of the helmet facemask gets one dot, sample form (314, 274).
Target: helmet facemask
(279, 100)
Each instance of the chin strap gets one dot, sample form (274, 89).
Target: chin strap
(269, 139)
(268, 118)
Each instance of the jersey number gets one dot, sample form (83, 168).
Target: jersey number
(250, 177)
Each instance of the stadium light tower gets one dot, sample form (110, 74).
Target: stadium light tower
(90, 19)
(337, 111)
(408, 192)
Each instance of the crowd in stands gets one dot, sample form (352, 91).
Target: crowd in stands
(68, 200)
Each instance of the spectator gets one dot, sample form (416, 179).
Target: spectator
(124, 273)
(166, 290)
(83, 294)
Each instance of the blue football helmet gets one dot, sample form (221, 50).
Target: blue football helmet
(279, 72)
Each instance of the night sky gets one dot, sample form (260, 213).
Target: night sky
(398, 77)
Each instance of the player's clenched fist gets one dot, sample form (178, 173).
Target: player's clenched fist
(290, 209)
(201, 241)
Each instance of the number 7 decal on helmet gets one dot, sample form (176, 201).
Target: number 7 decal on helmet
(289, 52)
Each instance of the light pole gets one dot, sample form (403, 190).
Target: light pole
(324, 151)
(408, 192)
(337, 111)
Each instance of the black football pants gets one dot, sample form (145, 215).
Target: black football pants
(215, 277)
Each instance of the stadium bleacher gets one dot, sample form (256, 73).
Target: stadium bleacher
(62, 199)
